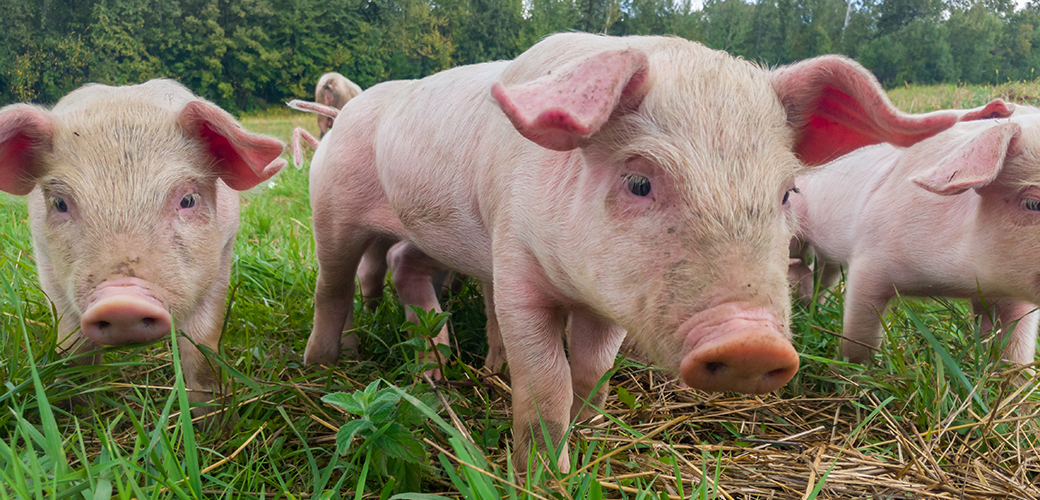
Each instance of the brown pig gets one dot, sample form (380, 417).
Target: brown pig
(606, 184)
(333, 90)
(133, 212)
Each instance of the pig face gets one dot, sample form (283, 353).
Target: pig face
(698, 229)
(130, 207)
(140, 212)
(995, 166)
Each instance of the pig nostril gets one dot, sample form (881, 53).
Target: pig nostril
(714, 367)
(777, 373)
(103, 324)
(148, 322)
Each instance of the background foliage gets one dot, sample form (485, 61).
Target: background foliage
(244, 54)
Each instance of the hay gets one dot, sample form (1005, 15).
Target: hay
(772, 447)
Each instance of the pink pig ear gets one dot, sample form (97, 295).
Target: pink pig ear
(835, 106)
(971, 164)
(996, 108)
(24, 129)
(562, 109)
(243, 159)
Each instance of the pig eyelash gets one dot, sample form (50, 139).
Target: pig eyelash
(1031, 204)
(189, 201)
(787, 195)
(637, 184)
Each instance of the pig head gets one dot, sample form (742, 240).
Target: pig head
(133, 212)
(956, 215)
(333, 90)
(610, 184)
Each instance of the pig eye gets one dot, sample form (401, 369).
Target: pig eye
(787, 195)
(189, 200)
(638, 185)
(1031, 204)
(59, 204)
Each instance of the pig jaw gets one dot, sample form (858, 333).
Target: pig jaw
(737, 347)
(126, 310)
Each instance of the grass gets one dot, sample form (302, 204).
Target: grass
(933, 417)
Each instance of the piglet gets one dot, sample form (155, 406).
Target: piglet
(595, 186)
(956, 215)
(333, 90)
(133, 212)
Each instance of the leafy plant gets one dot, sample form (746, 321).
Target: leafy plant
(383, 430)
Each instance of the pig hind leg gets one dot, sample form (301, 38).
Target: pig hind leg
(865, 302)
(415, 276)
(593, 344)
(372, 271)
(496, 357)
(1018, 344)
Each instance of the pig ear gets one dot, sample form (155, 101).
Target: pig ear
(243, 159)
(562, 109)
(996, 108)
(972, 164)
(835, 106)
(24, 129)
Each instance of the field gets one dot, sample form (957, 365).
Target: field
(933, 417)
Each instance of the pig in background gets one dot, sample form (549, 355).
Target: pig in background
(333, 90)
(133, 213)
(956, 215)
(607, 184)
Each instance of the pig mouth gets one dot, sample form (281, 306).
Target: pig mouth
(739, 348)
(123, 311)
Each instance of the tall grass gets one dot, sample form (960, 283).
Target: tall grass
(373, 427)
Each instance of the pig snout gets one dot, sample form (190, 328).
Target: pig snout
(124, 311)
(737, 348)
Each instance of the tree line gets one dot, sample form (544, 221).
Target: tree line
(247, 54)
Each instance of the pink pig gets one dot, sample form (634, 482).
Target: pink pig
(333, 90)
(596, 183)
(956, 215)
(133, 212)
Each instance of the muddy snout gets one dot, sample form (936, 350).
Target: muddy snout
(735, 349)
(125, 311)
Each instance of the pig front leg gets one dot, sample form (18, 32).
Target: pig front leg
(339, 250)
(532, 327)
(593, 345)
(204, 327)
(865, 301)
(1019, 344)
(372, 271)
(413, 272)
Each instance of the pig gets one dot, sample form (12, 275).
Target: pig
(956, 215)
(133, 213)
(333, 90)
(602, 184)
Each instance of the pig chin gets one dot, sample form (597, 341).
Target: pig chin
(125, 310)
(736, 347)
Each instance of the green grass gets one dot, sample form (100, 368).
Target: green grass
(371, 428)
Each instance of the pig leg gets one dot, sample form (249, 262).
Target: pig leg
(201, 376)
(496, 357)
(339, 250)
(532, 331)
(413, 273)
(372, 272)
(1019, 343)
(865, 301)
(593, 345)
